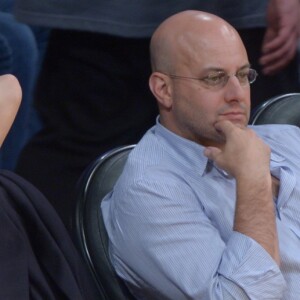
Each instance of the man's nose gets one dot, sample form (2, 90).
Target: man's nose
(234, 91)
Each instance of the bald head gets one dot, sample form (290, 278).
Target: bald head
(183, 35)
(187, 50)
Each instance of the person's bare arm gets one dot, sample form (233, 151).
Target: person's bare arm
(247, 158)
(281, 38)
(10, 99)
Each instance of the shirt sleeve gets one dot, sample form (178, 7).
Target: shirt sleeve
(162, 243)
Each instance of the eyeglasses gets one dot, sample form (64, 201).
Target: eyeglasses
(218, 79)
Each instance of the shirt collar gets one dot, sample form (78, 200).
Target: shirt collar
(191, 153)
(188, 152)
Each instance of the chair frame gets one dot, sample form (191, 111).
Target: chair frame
(88, 216)
(268, 103)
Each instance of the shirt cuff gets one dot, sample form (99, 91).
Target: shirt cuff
(247, 264)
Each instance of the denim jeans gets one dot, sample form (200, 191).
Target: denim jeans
(19, 55)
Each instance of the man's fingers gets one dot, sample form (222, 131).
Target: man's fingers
(224, 126)
(211, 152)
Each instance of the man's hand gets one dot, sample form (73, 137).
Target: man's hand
(281, 38)
(10, 99)
(246, 157)
(243, 154)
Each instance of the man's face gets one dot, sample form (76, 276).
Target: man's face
(197, 107)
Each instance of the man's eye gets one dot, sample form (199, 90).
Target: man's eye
(214, 79)
(243, 76)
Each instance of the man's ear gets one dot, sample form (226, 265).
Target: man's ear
(161, 88)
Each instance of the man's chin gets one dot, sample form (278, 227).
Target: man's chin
(239, 124)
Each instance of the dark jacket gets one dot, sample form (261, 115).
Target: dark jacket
(37, 257)
(134, 18)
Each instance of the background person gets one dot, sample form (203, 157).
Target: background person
(37, 257)
(18, 56)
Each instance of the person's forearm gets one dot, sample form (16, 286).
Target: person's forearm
(247, 158)
(255, 214)
(10, 98)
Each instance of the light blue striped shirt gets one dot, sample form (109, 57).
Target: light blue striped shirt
(170, 219)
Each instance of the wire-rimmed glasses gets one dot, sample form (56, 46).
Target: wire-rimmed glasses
(218, 79)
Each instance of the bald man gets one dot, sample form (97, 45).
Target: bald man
(206, 207)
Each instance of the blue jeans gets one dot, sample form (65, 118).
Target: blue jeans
(19, 55)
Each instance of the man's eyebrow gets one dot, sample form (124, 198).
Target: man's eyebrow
(213, 69)
(221, 69)
(217, 69)
(246, 66)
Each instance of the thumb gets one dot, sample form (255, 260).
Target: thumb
(211, 152)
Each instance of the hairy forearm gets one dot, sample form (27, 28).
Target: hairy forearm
(247, 158)
(255, 214)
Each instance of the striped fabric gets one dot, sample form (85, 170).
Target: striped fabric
(170, 219)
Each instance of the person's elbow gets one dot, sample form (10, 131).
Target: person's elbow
(10, 90)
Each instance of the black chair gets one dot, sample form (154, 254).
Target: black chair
(283, 109)
(90, 233)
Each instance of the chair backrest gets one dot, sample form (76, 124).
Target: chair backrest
(283, 109)
(91, 235)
